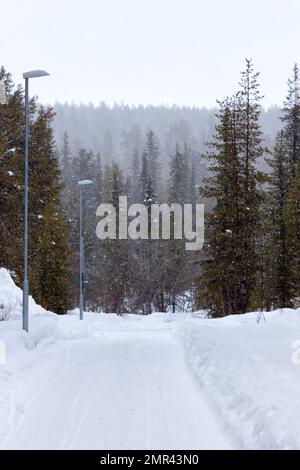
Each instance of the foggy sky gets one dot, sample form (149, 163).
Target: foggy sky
(187, 52)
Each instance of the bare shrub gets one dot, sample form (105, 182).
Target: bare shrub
(8, 309)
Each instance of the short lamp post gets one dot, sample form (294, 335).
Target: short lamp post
(81, 185)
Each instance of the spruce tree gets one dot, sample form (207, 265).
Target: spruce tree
(11, 174)
(192, 179)
(250, 150)
(291, 120)
(115, 252)
(145, 281)
(220, 282)
(291, 129)
(280, 275)
(50, 271)
(292, 220)
(135, 173)
(179, 262)
(49, 253)
(152, 153)
(231, 270)
(66, 160)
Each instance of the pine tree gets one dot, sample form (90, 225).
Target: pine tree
(98, 180)
(93, 253)
(66, 160)
(11, 174)
(250, 150)
(131, 143)
(135, 172)
(115, 252)
(107, 147)
(49, 253)
(231, 269)
(291, 129)
(291, 120)
(179, 177)
(180, 271)
(145, 248)
(50, 271)
(192, 179)
(220, 282)
(55, 282)
(152, 153)
(292, 220)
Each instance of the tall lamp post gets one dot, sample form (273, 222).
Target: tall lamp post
(81, 184)
(27, 76)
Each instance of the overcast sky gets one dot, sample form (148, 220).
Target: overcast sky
(149, 51)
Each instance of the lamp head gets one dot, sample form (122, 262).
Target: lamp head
(35, 74)
(84, 182)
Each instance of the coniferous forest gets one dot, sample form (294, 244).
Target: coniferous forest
(243, 164)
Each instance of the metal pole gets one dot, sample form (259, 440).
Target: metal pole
(81, 254)
(25, 282)
(83, 274)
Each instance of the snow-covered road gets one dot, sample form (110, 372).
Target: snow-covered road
(120, 389)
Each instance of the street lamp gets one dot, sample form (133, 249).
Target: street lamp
(27, 76)
(81, 184)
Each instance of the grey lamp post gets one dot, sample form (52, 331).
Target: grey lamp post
(2, 92)
(81, 184)
(27, 76)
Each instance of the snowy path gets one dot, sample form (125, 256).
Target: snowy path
(123, 389)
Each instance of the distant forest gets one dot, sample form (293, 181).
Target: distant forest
(116, 132)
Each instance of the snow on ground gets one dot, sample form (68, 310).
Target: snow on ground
(158, 382)
(252, 372)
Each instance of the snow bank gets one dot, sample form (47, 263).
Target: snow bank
(251, 372)
(45, 327)
(11, 297)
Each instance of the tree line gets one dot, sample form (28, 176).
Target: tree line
(116, 131)
(251, 255)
